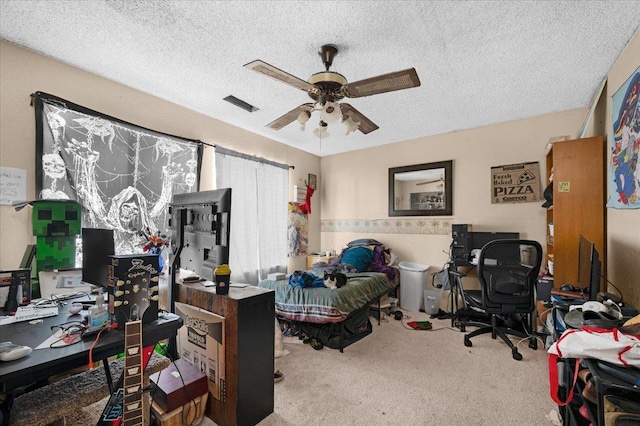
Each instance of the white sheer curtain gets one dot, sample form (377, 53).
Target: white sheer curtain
(258, 243)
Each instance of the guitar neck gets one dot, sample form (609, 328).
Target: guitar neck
(133, 412)
(134, 285)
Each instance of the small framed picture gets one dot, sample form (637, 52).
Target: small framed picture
(312, 180)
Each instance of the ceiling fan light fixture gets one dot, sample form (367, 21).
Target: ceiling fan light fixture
(330, 112)
(321, 131)
(303, 117)
(352, 125)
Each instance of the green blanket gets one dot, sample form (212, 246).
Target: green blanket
(323, 305)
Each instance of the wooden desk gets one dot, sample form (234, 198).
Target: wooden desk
(311, 259)
(249, 314)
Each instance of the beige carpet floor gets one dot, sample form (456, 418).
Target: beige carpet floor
(402, 376)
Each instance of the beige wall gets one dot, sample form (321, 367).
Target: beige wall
(356, 189)
(348, 187)
(623, 226)
(23, 72)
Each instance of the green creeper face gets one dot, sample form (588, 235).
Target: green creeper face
(55, 253)
(56, 218)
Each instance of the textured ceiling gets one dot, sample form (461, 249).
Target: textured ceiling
(479, 62)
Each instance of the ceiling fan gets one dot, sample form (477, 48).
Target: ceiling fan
(328, 87)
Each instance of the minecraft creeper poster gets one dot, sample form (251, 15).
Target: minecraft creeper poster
(56, 223)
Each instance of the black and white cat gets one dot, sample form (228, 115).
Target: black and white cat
(334, 280)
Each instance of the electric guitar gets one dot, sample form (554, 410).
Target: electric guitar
(125, 407)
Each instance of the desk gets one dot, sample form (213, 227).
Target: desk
(43, 363)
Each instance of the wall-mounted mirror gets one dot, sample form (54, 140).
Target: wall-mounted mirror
(421, 190)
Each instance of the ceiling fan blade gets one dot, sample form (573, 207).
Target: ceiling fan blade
(398, 80)
(289, 117)
(366, 125)
(278, 74)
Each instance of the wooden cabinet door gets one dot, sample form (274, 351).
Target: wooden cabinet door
(578, 203)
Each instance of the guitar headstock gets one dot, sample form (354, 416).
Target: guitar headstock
(135, 283)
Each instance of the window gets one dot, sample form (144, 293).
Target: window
(258, 244)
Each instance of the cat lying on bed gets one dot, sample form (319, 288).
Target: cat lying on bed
(334, 280)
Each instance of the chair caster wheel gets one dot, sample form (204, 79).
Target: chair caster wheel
(533, 344)
(517, 355)
(467, 342)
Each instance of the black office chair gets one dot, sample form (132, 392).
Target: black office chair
(507, 292)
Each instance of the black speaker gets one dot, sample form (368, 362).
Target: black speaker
(460, 242)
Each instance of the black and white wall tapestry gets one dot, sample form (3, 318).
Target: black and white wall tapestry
(123, 175)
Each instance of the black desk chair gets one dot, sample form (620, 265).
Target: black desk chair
(507, 292)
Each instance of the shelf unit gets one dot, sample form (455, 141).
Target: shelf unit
(578, 204)
(605, 384)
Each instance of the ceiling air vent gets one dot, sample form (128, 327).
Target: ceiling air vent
(240, 103)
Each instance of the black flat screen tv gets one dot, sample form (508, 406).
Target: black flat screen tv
(97, 245)
(203, 221)
(588, 267)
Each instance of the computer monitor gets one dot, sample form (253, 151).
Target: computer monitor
(204, 232)
(509, 254)
(589, 266)
(97, 245)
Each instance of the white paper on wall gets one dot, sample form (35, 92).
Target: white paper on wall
(13, 185)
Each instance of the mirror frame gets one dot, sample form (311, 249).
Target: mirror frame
(448, 189)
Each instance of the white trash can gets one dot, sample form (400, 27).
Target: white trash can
(413, 277)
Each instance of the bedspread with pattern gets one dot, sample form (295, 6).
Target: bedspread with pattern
(324, 305)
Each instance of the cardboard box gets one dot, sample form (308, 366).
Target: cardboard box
(133, 287)
(201, 343)
(515, 183)
(20, 278)
(178, 384)
(193, 412)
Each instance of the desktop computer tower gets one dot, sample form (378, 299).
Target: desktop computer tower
(460, 242)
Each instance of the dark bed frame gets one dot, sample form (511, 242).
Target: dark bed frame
(339, 335)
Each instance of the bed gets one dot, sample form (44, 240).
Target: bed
(338, 317)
